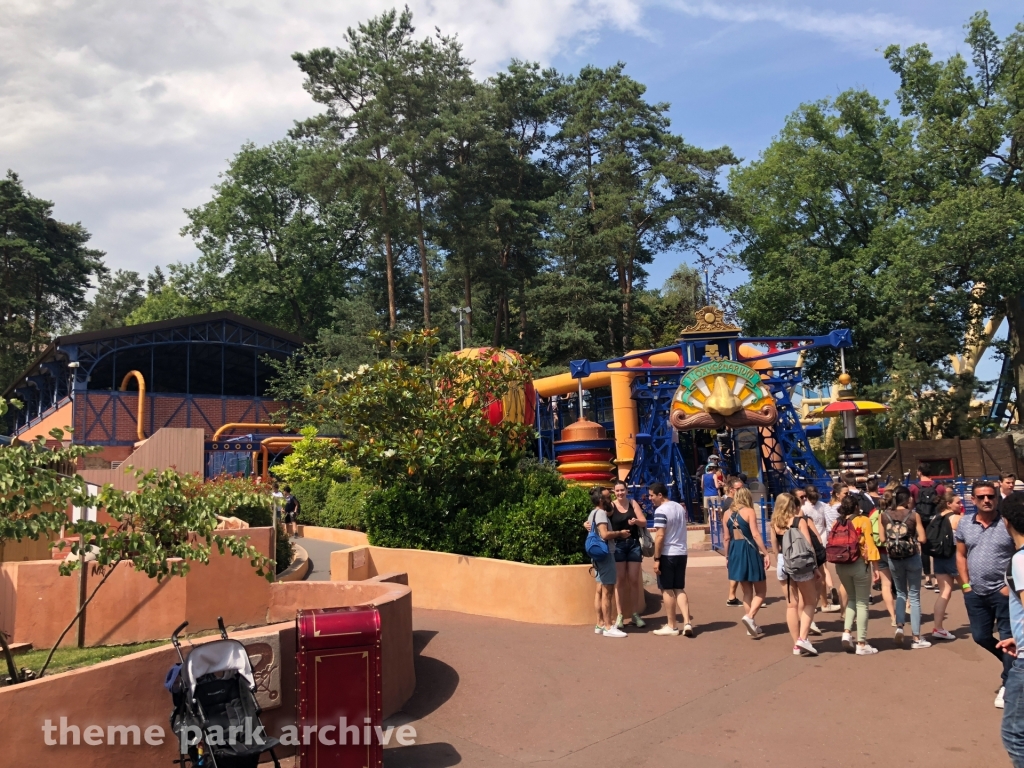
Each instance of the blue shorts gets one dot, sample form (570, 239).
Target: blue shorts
(944, 566)
(628, 551)
(604, 571)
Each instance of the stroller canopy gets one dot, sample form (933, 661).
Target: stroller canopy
(218, 657)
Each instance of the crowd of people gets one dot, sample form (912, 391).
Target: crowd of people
(900, 540)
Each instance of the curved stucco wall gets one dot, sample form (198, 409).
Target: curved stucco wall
(540, 594)
(130, 690)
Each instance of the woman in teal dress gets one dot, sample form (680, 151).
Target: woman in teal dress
(747, 557)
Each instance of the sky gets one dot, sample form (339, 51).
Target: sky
(123, 114)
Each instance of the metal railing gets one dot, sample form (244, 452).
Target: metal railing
(716, 524)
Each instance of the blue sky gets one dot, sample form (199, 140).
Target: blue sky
(124, 114)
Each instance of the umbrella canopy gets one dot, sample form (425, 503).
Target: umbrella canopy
(849, 406)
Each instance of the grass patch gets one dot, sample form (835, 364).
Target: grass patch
(75, 658)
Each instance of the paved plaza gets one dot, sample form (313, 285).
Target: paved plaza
(499, 693)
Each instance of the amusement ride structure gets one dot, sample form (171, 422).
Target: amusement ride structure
(667, 408)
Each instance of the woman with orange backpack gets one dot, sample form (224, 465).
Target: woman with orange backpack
(852, 549)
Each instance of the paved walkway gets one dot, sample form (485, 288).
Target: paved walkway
(320, 556)
(500, 693)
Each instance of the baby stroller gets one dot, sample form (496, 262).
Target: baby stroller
(214, 696)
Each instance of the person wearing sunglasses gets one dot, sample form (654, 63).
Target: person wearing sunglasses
(983, 550)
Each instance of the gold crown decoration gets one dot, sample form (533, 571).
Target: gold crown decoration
(709, 320)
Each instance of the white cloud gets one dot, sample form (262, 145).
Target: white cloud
(123, 113)
(864, 31)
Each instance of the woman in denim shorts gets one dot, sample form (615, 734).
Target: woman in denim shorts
(945, 567)
(626, 515)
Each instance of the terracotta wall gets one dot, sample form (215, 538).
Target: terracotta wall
(26, 549)
(59, 419)
(36, 602)
(130, 690)
(335, 535)
(540, 594)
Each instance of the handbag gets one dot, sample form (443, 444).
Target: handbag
(596, 547)
(646, 542)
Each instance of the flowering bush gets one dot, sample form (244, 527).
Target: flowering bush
(412, 419)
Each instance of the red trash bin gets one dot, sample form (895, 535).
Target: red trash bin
(339, 690)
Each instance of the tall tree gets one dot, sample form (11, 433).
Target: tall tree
(45, 271)
(490, 208)
(274, 246)
(826, 237)
(968, 197)
(388, 100)
(114, 301)
(644, 190)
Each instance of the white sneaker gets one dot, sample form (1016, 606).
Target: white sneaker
(866, 650)
(943, 634)
(750, 626)
(847, 641)
(815, 630)
(666, 630)
(898, 636)
(797, 651)
(806, 647)
(999, 697)
(832, 608)
(919, 644)
(598, 629)
(613, 632)
(688, 630)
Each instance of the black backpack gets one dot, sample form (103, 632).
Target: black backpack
(927, 501)
(940, 536)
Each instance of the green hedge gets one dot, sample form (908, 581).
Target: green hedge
(528, 515)
(330, 504)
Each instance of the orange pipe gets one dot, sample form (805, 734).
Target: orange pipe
(140, 419)
(243, 425)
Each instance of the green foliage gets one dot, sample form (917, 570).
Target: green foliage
(116, 299)
(908, 230)
(285, 549)
(525, 513)
(65, 659)
(412, 420)
(313, 460)
(333, 504)
(255, 500)
(33, 491)
(45, 271)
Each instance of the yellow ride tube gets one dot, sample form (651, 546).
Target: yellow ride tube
(140, 420)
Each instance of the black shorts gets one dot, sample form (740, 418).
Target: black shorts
(290, 517)
(673, 572)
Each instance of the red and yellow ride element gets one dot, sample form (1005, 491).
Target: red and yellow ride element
(519, 404)
(585, 454)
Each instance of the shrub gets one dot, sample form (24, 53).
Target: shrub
(285, 552)
(312, 496)
(332, 504)
(346, 504)
(527, 514)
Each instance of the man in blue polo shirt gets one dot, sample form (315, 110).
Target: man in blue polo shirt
(983, 550)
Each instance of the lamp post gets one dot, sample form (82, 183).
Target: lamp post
(460, 311)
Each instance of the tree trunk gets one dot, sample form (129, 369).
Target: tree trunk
(467, 297)
(389, 263)
(498, 309)
(424, 272)
(522, 310)
(1015, 336)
